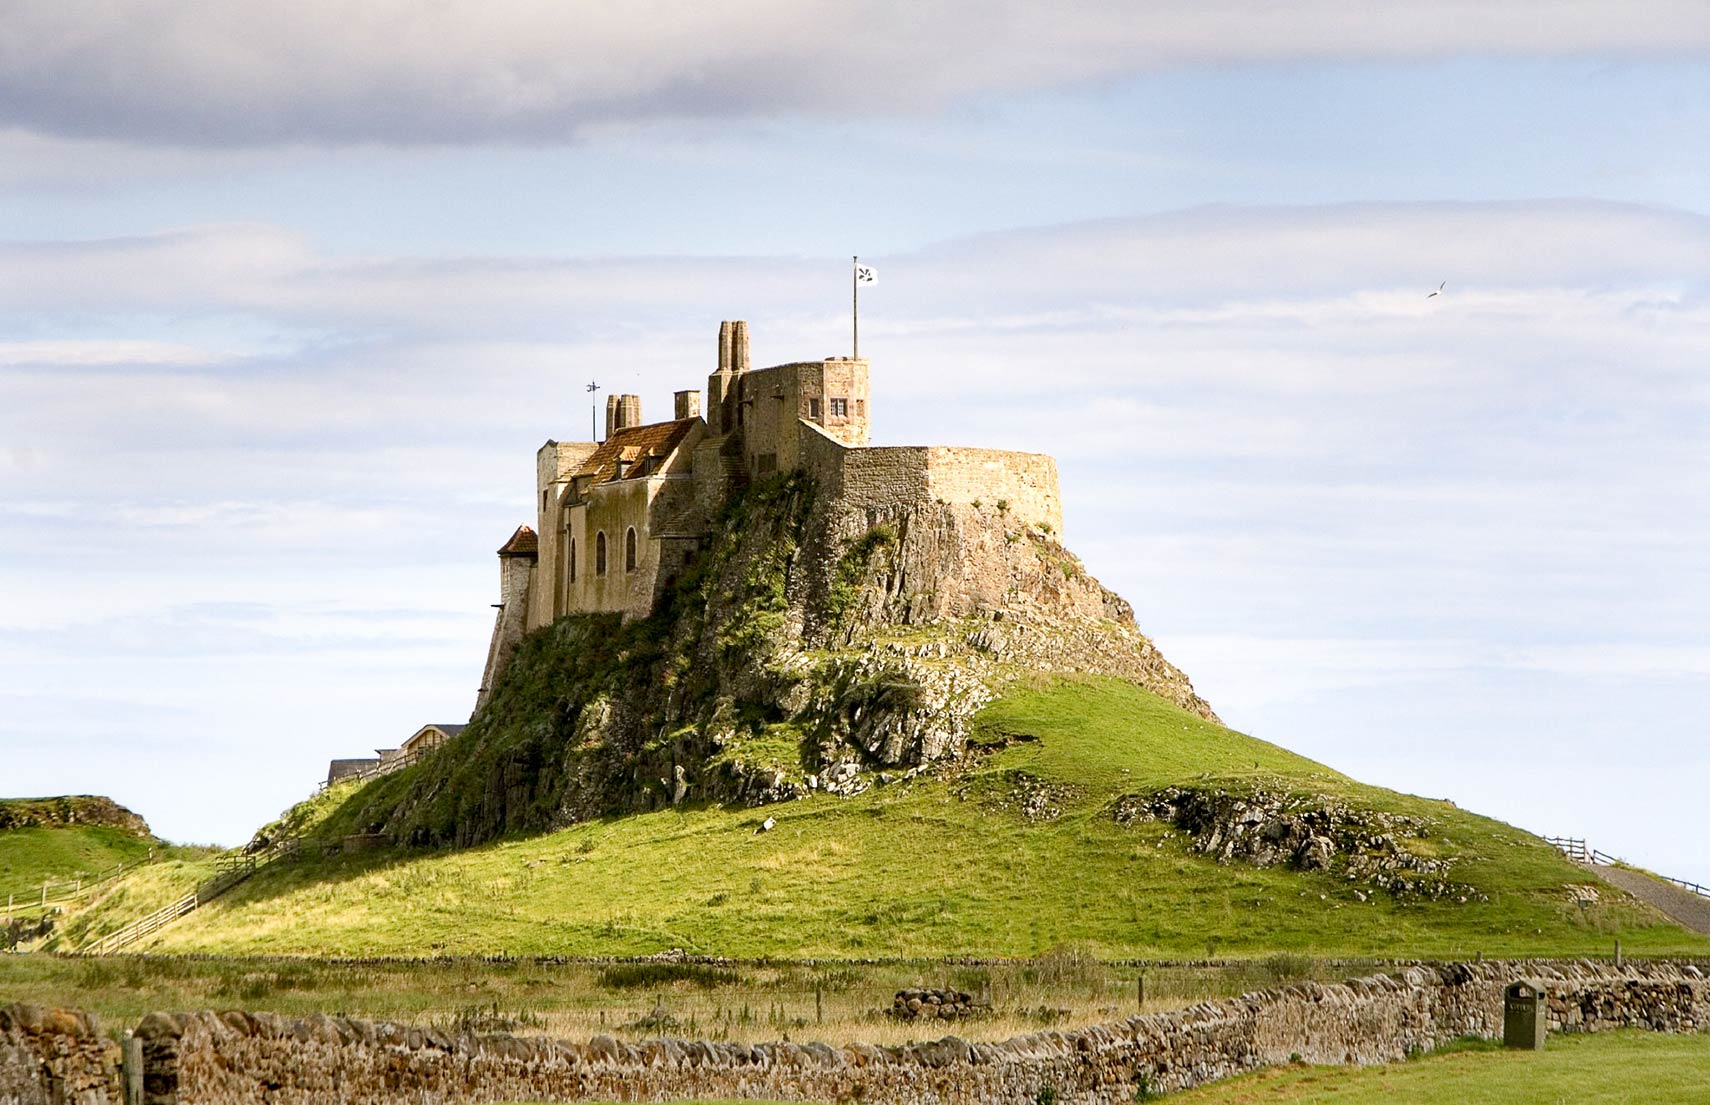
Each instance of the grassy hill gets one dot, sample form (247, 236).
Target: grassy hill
(1022, 849)
(64, 839)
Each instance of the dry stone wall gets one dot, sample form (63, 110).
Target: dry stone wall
(55, 1057)
(242, 1058)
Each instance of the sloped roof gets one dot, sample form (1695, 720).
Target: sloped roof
(635, 443)
(522, 543)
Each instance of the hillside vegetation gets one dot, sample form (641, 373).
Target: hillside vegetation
(1607, 1068)
(63, 839)
(1019, 850)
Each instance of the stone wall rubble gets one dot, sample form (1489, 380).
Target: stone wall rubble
(55, 1057)
(240, 1058)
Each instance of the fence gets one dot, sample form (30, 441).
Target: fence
(384, 767)
(1575, 848)
(67, 889)
(229, 870)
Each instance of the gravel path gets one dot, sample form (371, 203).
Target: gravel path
(1684, 906)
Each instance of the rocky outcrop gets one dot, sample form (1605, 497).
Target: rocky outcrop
(71, 809)
(1271, 827)
(810, 647)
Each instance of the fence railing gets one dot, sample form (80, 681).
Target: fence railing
(66, 889)
(229, 870)
(384, 767)
(1575, 848)
(1692, 887)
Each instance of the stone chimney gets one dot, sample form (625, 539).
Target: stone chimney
(724, 349)
(688, 405)
(739, 346)
(622, 412)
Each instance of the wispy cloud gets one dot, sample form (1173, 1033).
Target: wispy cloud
(409, 71)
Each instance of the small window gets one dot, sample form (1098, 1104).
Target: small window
(600, 553)
(813, 409)
(629, 550)
(543, 502)
(840, 408)
(571, 560)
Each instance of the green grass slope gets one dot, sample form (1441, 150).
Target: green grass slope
(1608, 1068)
(935, 866)
(61, 840)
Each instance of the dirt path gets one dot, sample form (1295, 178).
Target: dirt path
(1687, 908)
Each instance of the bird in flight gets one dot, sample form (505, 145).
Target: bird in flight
(1439, 290)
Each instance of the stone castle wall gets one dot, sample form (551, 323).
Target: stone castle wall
(243, 1058)
(874, 478)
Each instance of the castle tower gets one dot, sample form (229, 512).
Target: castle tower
(517, 562)
(722, 386)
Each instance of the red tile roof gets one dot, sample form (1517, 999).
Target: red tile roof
(522, 543)
(634, 444)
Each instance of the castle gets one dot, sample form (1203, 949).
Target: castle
(617, 520)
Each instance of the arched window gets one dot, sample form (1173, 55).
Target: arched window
(629, 550)
(600, 553)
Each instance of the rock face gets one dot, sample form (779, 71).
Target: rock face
(72, 809)
(811, 646)
(1311, 832)
(236, 1058)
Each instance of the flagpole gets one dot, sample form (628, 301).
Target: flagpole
(855, 305)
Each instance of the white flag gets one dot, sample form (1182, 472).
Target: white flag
(866, 274)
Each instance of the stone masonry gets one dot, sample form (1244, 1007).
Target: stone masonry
(618, 520)
(242, 1058)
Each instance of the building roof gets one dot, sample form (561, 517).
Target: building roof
(635, 444)
(448, 730)
(522, 543)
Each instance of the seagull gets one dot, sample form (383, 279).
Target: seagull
(1439, 290)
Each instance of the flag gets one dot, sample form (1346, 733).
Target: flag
(866, 274)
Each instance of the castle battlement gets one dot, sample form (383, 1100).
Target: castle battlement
(618, 520)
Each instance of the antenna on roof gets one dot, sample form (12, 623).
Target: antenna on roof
(593, 411)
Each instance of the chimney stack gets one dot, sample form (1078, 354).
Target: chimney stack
(622, 412)
(724, 349)
(739, 345)
(688, 405)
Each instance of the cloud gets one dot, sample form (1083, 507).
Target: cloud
(1330, 499)
(207, 73)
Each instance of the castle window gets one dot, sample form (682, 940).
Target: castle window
(600, 553)
(570, 560)
(840, 408)
(629, 550)
(813, 409)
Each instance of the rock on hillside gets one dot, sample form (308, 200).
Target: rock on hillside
(811, 646)
(72, 809)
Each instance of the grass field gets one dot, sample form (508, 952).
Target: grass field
(935, 867)
(834, 1002)
(1609, 1068)
(38, 854)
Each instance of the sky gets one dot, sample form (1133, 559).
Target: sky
(291, 292)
